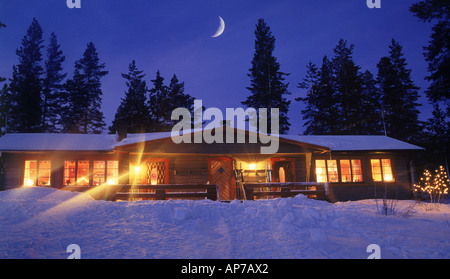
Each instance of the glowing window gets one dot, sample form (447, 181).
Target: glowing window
(69, 172)
(321, 171)
(357, 171)
(98, 175)
(112, 173)
(387, 170)
(332, 171)
(37, 173)
(346, 173)
(83, 173)
(382, 170)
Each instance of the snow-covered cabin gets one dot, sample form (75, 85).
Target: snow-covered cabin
(353, 167)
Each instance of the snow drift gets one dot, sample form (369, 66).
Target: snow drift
(42, 223)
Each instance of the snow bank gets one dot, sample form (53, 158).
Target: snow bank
(41, 223)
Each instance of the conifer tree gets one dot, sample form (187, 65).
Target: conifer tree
(52, 87)
(164, 99)
(267, 87)
(320, 112)
(26, 84)
(348, 90)
(340, 99)
(178, 99)
(4, 109)
(84, 95)
(133, 112)
(399, 96)
(437, 138)
(158, 103)
(437, 53)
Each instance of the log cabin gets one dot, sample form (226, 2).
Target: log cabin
(344, 167)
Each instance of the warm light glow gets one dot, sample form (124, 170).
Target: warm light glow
(110, 182)
(30, 182)
(137, 169)
(252, 166)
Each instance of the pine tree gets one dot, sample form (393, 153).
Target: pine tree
(4, 108)
(320, 112)
(26, 84)
(158, 104)
(340, 99)
(437, 137)
(399, 96)
(348, 91)
(133, 112)
(371, 122)
(437, 53)
(52, 87)
(177, 99)
(84, 95)
(267, 87)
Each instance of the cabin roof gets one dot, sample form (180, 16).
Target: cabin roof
(103, 142)
(57, 142)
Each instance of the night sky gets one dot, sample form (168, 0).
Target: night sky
(174, 36)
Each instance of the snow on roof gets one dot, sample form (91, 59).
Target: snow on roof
(57, 142)
(354, 143)
(102, 142)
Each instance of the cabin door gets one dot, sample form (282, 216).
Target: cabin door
(221, 174)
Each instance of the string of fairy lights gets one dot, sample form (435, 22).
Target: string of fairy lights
(435, 187)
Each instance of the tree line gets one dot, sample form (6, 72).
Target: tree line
(39, 98)
(340, 97)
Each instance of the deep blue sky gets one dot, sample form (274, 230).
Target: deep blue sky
(174, 36)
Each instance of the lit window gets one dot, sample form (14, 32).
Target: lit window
(112, 174)
(321, 171)
(69, 172)
(376, 170)
(37, 173)
(83, 173)
(347, 171)
(387, 170)
(357, 171)
(382, 170)
(346, 174)
(332, 171)
(98, 175)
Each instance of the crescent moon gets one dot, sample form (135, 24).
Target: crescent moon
(220, 29)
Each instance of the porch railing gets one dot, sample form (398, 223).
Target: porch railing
(164, 192)
(284, 190)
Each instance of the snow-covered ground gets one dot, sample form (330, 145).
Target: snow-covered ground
(42, 223)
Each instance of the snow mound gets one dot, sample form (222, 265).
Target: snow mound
(42, 222)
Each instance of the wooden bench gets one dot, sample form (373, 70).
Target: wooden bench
(285, 190)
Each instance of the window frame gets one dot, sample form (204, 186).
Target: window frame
(339, 170)
(383, 175)
(91, 171)
(37, 169)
